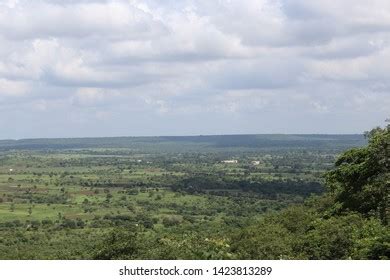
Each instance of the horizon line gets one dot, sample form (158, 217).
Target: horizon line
(188, 135)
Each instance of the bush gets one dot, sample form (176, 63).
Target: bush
(171, 221)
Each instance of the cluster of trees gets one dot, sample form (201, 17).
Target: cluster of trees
(269, 189)
(361, 180)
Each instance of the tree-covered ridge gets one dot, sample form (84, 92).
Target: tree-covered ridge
(191, 143)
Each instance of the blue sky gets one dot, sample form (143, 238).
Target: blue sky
(129, 67)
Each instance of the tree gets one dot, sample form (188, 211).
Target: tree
(361, 179)
(119, 244)
(263, 241)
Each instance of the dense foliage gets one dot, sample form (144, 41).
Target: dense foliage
(361, 180)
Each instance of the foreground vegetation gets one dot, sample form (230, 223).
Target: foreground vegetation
(212, 197)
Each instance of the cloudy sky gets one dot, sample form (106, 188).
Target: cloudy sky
(128, 67)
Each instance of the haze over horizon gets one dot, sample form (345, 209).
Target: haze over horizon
(188, 135)
(103, 68)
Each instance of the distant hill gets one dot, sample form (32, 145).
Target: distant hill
(189, 143)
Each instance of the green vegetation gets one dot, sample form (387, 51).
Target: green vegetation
(204, 197)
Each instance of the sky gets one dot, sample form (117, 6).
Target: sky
(92, 68)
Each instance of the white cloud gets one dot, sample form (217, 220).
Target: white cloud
(46, 19)
(12, 88)
(186, 61)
